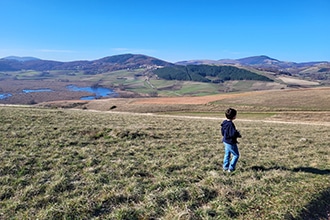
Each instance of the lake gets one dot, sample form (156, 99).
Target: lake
(36, 90)
(98, 92)
(5, 95)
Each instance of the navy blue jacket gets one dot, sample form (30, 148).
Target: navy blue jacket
(229, 132)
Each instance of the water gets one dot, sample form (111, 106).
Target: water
(98, 92)
(36, 90)
(5, 95)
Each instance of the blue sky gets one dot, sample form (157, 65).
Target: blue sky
(171, 30)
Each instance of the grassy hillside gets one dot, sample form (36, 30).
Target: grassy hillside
(65, 164)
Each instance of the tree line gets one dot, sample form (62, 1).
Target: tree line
(207, 73)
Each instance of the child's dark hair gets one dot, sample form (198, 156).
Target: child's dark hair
(230, 113)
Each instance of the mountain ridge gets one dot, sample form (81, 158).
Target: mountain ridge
(247, 60)
(252, 60)
(316, 70)
(105, 64)
(313, 70)
(18, 58)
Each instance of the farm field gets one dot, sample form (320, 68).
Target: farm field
(101, 164)
(310, 105)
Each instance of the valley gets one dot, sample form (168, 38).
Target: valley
(139, 76)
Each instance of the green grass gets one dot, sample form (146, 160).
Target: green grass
(67, 164)
(199, 89)
(180, 88)
(160, 83)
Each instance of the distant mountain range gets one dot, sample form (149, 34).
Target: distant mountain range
(316, 70)
(256, 61)
(22, 59)
(126, 61)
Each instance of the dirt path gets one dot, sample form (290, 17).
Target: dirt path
(214, 118)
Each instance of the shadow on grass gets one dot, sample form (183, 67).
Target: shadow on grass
(319, 207)
(297, 169)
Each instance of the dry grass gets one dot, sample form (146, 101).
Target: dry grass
(299, 99)
(64, 164)
(295, 81)
(296, 105)
(293, 99)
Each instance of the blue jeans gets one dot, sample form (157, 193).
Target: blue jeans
(230, 149)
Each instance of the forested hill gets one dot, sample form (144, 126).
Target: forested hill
(206, 73)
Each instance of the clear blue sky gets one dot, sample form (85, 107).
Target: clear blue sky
(172, 30)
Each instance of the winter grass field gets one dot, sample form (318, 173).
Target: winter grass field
(75, 164)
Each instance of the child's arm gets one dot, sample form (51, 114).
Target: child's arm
(238, 134)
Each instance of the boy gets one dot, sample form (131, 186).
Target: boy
(230, 135)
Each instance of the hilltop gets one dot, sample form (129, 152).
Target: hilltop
(110, 63)
(22, 59)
